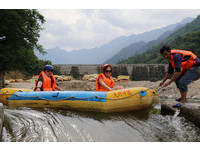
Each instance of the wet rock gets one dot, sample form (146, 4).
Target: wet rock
(196, 97)
(166, 108)
(190, 111)
(170, 96)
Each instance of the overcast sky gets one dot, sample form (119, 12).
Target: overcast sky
(72, 29)
(83, 24)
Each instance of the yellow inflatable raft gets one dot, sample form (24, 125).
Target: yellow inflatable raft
(131, 99)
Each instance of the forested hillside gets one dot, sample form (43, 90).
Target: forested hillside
(21, 28)
(141, 47)
(186, 38)
(126, 52)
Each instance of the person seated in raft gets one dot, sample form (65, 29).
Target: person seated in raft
(104, 81)
(46, 81)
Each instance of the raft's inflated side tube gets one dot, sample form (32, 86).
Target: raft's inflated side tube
(112, 101)
(60, 95)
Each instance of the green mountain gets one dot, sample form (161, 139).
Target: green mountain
(186, 38)
(142, 46)
(126, 52)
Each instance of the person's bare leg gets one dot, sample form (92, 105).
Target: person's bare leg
(183, 97)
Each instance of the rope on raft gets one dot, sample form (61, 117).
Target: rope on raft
(73, 97)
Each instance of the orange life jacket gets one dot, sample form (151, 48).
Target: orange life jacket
(46, 85)
(186, 64)
(108, 81)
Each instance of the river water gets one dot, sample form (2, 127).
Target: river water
(49, 125)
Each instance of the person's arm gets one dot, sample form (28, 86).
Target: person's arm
(168, 74)
(177, 61)
(58, 88)
(104, 85)
(39, 86)
(174, 77)
(165, 78)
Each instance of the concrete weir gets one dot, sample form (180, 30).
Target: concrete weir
(137, 72)
(1, 119)
(190, 111)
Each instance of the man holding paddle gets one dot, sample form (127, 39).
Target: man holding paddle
(186, 65)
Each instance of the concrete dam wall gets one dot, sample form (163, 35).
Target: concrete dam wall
(137, 72)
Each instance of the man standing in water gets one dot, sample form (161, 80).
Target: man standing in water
(186, 65)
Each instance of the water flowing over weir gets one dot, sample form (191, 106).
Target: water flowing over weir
(48, 125)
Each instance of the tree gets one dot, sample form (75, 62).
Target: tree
(21, 28)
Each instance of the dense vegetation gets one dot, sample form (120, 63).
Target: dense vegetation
(186, 38)
(21, 28)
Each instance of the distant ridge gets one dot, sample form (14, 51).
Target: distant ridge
(186, 38)
(105, 52)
